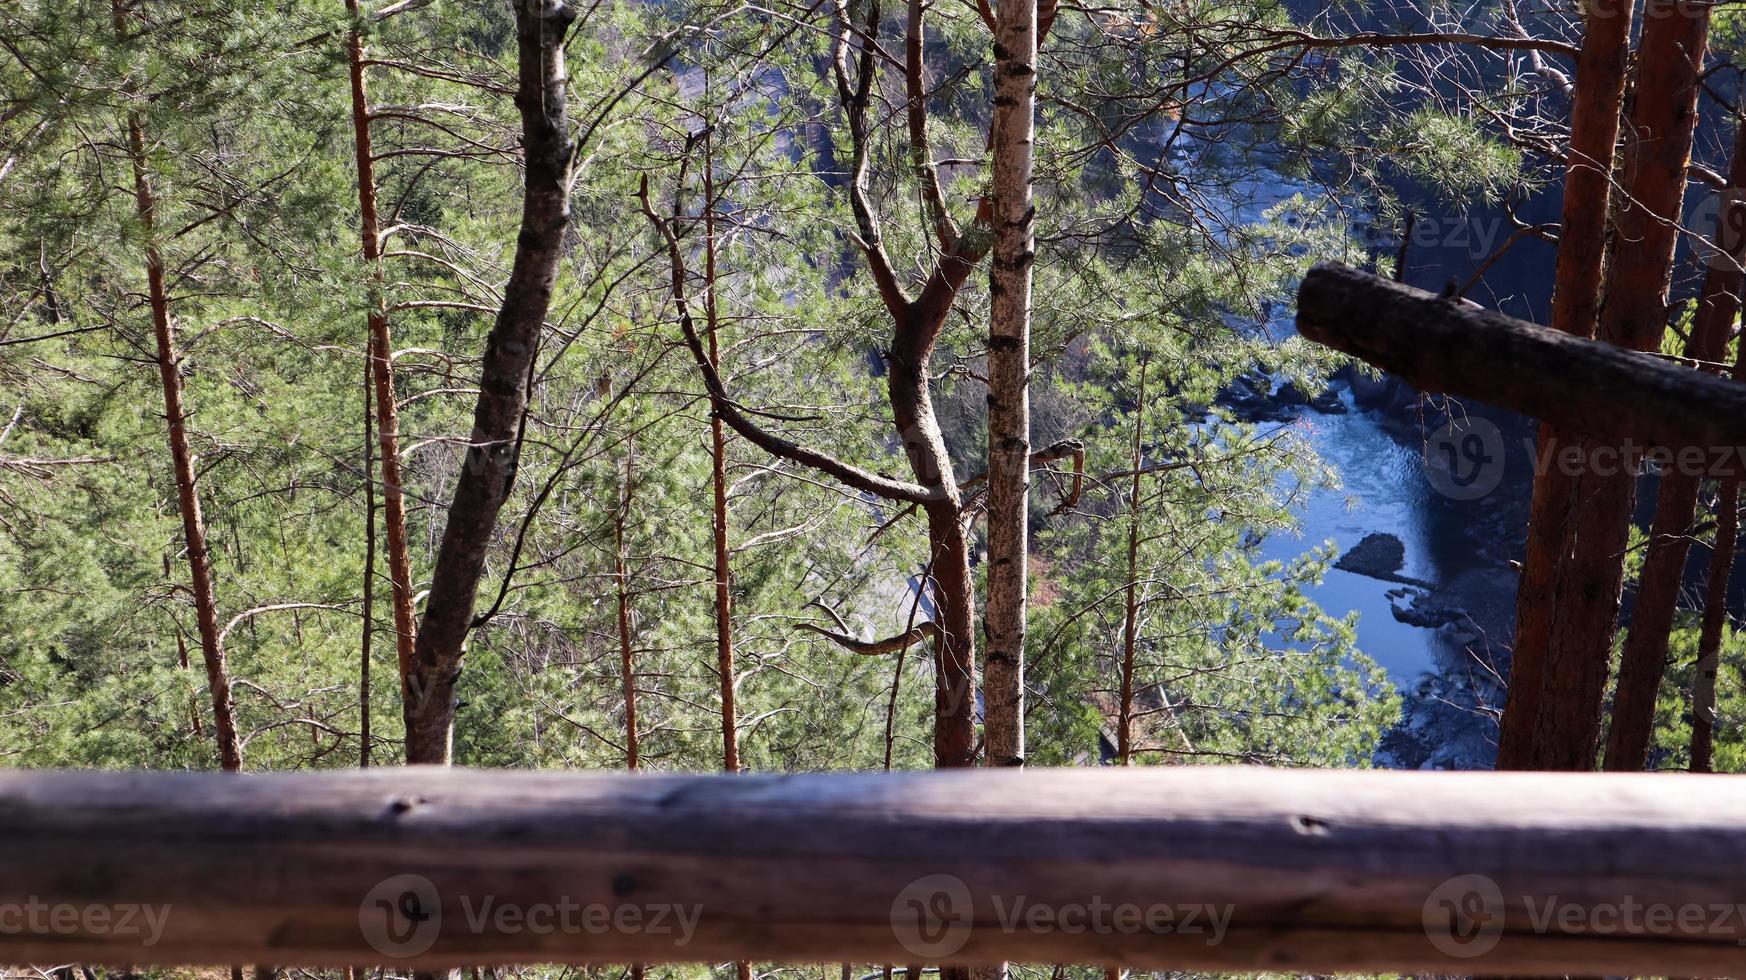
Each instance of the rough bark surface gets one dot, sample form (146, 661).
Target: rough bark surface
(1576, 293)
(1585, 386)
(489, 469)
(1315, 871)
(1009, 406)
(1565, 732)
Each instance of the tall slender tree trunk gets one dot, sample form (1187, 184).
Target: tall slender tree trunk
(1703, 688)
(1703, 694)
(724, 622)
(1645, 656)
(369, 564)
(489, 472)
(724, 618)
(1585, 601)
(627, 672)
(1594, 133)
(1009, 405)
(1131, 594)
(382, 361)
(181, 456)
(626, 648)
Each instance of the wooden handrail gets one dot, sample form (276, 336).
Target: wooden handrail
(1224, 868)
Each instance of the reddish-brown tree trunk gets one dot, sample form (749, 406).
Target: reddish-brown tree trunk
(1703, 691)
(382, 360)
(1131, 596)
(1585, 597)
(1594, 132)
(1703, 688)
(627, 674)
(181, 455)
(1645, 655)
(953, 586)
(724, 623)
(369, 565)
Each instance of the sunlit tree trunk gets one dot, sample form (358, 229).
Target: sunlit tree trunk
(1009, 406)
(492, 451)
(1131, 596)
(621, 575)
(1585, 600)
(1576, 294)
(724, 622)
(369, 566)
(181, 456)
(382, 361)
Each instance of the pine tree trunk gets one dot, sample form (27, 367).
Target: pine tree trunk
(1131, 593)
(1586, 597)
(488, 473)
(181, 456)
(369, 564)
(1009, 406)
(1565, 732)
(1703, 688)
(954, 595)
(621, 575)
(1645, 656)
(724, 623)
(382, 362)
(953, 586)
(1576, 293)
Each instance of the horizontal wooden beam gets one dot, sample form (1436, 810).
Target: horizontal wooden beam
(1218, 868)
(1446, 346)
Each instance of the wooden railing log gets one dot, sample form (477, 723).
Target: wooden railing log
(1283, 869)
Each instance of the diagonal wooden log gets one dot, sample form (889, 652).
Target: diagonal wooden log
(1281, 870)
(1446, 346)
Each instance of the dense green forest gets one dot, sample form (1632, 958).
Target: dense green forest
(840, 385)
(245, 123)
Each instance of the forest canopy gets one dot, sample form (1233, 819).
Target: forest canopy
(775, 387)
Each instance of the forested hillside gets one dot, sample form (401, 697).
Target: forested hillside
(688, 386)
